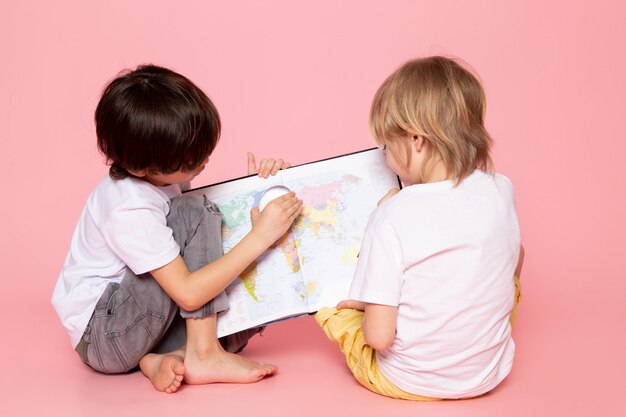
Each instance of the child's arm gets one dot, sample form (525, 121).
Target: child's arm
(379, 322)
(357, 305)
(191, 290)
(379, 325)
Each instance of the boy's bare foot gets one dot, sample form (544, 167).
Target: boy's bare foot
(165, 371)
(222, 366)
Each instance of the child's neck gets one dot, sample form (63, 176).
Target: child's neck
(437, 173)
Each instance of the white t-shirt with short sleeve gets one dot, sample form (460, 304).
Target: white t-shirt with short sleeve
(445, 256)
(123, 225)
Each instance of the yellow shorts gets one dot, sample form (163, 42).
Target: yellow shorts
(344, 327)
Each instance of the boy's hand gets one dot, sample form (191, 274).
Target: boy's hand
(275, 219)
(357, 305)
(267, 167)
(390, 193)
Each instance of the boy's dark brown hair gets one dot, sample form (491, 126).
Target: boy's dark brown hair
(156, 120)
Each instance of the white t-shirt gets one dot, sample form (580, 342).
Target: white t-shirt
(445, 256)
(123, 225)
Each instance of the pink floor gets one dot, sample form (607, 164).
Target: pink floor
(295, 79)
(567, 364)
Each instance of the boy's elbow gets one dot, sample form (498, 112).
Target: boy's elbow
(189, 300)
(188, 303)
(379, 326)
(379, 341)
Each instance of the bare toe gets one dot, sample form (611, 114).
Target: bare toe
(165, 372)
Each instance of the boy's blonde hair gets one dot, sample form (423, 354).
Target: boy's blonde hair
(440, 100)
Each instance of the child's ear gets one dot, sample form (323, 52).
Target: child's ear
(418, 142)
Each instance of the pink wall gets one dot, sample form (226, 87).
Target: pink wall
(295, 79)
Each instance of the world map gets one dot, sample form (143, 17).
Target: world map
(313, 261)
(312, 264)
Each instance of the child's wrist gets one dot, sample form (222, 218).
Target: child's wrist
(258, 240)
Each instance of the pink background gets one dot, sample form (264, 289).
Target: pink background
(295, 79)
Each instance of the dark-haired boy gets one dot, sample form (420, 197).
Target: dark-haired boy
(141, 251)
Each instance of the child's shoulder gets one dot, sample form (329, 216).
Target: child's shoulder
(389, 210)
(481, 180)
(502, 179)
(125, 188)
(112, 193)
(504, 185)
(489, 186)
(482, 177)
(433, 197)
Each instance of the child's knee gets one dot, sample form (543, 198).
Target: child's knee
(340, 325)
(188, 203)
(197, 202)
(190, 211)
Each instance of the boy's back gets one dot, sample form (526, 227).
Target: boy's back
(122, 224)
(446, 256)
